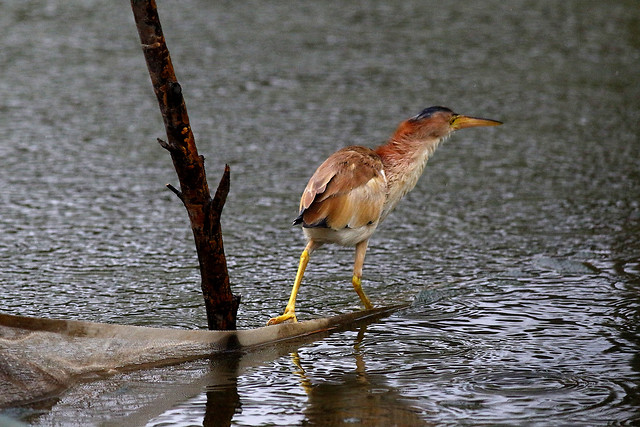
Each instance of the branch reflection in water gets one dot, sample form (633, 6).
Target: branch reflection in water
(223, 400)
(235, 395)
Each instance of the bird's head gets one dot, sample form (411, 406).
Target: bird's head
(436, 123)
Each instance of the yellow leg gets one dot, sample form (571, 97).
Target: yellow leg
(361, 250)
(357, 285)
(304, 380)
(289, 311)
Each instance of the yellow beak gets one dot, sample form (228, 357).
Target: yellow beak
(460, 122)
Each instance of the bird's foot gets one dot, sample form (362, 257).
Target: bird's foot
(357, 285)
(288, 315)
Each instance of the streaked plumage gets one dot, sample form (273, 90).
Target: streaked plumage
(347, 192)
(356, 188)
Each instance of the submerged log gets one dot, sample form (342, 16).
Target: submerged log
(40, 358)
(204, 212)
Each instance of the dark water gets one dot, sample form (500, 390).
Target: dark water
(520, 247)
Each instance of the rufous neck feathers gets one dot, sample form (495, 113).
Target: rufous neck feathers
(410, 146)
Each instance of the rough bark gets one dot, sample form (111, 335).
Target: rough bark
(204, 212)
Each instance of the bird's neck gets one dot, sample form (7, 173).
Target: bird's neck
(404, 158)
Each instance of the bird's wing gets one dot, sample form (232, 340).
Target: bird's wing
(347, 190)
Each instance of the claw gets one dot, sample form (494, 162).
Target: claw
(281, 319)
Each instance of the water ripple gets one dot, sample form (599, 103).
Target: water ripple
(519, 248)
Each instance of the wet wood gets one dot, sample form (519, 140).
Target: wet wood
(41, 357)
(204, 212)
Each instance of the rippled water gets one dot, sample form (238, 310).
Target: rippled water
(520, 247)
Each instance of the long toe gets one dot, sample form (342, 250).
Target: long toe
(281, 319)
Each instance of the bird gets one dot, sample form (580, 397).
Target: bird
(356, 188)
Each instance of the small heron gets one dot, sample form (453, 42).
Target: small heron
(357, 187)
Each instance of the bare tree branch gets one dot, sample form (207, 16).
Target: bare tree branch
(204, 212)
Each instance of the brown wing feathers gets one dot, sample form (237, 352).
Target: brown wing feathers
(347, 190)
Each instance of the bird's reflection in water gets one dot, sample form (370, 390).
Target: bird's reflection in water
(354, 397)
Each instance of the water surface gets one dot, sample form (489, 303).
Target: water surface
(520, 247)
